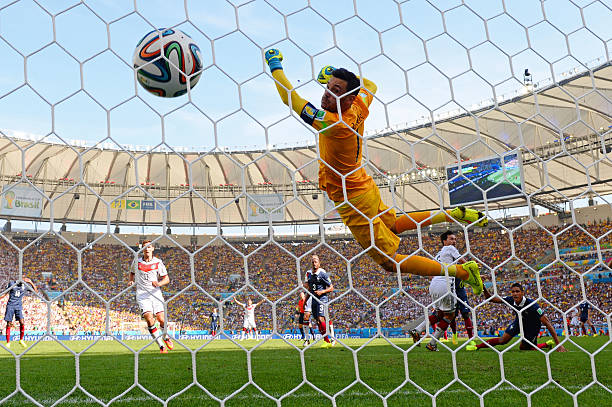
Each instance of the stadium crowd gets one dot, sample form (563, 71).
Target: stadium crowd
(274, 272)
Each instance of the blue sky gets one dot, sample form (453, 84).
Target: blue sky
(236, 82)
(81, 86)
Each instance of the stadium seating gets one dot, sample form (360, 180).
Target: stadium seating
(273, 273)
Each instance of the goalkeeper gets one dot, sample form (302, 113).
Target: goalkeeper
(340, 122)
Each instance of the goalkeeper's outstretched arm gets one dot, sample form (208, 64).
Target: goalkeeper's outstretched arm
(289, 96)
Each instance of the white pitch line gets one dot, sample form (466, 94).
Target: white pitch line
(81, 401)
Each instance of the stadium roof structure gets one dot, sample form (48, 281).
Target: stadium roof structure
(562, 131)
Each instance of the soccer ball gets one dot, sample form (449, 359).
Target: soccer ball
(167, 75)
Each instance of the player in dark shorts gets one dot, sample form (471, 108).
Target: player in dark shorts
(14, 307)
(584, 318)
(532, 316)
(463, 309)
(214, 322)
(319, 286)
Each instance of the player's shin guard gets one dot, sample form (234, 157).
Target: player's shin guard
(156, 335)
(412, 221)
(8, 334)
(21, 331)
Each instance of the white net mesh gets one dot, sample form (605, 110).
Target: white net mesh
(82, 144)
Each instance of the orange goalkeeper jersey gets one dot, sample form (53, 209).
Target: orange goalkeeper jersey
(340, 146)
(340, 142)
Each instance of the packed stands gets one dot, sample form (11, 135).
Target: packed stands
(274, 274)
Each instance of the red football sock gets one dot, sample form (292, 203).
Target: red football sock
(323, 330)
(542, 345)
(583, 330)
(492, 342)
(443, 324)
(469, 327)
(21, 331)
(8, 334)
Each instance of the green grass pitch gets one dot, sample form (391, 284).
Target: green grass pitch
(106, 369)
(512, 177)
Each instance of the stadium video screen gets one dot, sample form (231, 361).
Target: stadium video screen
(488, 175)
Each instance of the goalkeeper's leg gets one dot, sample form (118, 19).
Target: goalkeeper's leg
(426, 218)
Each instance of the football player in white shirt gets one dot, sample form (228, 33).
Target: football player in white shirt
(442, 288)
(249, 318)
(574, 323)
(150, 274)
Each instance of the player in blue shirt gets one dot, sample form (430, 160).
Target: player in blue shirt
(319, 285)
(532, 317)
(214, 322)
(584, 318)
(14, 307)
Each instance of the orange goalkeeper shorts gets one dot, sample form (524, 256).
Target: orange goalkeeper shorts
(370, 204)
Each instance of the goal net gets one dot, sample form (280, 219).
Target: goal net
(500, 107)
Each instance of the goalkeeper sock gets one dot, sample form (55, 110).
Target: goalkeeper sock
(21, 331)
(414, 219)
(8, 334)
(155, 334)
(424, 266)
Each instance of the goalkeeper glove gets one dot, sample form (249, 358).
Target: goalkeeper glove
(274, 58)
(325, 74)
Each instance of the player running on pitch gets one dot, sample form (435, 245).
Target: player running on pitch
(532, 317)
(150, 275)
(340, 123)
(249, 326)
(303, 314)
(214, 322)
(449, 238)
(319, 286)
(441, 289)
(584, 319)
(14, 307)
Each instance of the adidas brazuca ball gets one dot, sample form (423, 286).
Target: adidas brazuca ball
(167, 75)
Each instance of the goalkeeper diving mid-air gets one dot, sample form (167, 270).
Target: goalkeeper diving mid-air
(340, 123)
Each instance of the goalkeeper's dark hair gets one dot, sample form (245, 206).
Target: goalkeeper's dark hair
(445, 235)
(517, 285)
(352, 82)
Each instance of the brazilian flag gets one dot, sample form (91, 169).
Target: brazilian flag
(133, 204)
